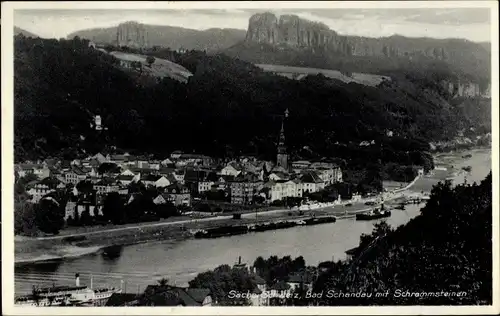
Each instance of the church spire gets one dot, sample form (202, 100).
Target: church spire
(281, 144)
(282, 157)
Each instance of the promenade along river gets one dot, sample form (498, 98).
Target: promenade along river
(143, 264)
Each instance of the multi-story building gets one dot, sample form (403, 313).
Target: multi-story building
(198, 160)
(204, 186)
(231, 170)
(329, 175)
(311, 182)
(75, 175)
(106, 185)
(279, 190)
(44, 187)
(177, 194)
(298, 166)
(243, 190)
(39, 170)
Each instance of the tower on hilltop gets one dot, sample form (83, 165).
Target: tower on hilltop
(282, 156)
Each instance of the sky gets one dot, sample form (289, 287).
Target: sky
(468, 23)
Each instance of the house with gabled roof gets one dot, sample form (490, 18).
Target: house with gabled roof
(100, 158)
(167, 162)
(76, 174)
(155, 164)
(158, 295)
(311, 182)
(163, 182)
(178, 194)
(196, 180)
(155, 180)
(39, 189)
(179, 175)
(304, 278)
(150, 179)
(39, 170)
(127, 172)
(159, 200)
(165, 170)
(278, 176)
(123, 299)
(278, 190)
(244, 188)
(106, 185)
(175, 154)
(299, 165)
(125, 179)
(231, 169)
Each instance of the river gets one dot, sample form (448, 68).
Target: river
(143, 264)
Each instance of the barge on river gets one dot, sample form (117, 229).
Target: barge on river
(373, 214)
(221, 231)
(261, 227)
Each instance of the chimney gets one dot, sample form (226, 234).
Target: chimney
(77, 279)
(239, 260)
(91, 281)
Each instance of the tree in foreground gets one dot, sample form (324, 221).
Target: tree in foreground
(444, 255)
(150, 60)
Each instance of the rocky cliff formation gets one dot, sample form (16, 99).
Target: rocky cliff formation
(132, 34)
(466, 89)
(177, 38)
(294, 32)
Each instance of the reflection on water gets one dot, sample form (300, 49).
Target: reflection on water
(140, 265)
(43, 267)
(112, 253)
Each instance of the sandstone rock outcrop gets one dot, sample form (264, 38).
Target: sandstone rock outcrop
(132, 34)
(263, 28)
(465, 89)
(293, 31)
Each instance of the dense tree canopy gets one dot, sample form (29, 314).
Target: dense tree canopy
(224, 279)
(447, 248)
(227, 107)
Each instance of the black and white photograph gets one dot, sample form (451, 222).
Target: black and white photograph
(281, 155)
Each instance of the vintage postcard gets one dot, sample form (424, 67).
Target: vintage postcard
(239, 158)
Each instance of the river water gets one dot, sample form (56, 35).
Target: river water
(143, 264)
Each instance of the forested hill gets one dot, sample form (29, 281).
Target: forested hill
(475, 70)
(293, 41)
(227, 107)
(170, 36)
(448, 248)
(18, 30)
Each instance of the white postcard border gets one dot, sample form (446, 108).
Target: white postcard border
(8, 307)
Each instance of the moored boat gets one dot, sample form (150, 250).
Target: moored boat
(320, 220)
(373, 214)
(221, 231)
(401, 207)
(66, 295)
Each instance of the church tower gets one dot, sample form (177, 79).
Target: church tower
(282, 156)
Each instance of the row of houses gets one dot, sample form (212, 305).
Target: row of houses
(243, 179)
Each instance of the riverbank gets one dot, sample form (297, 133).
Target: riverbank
(32, 250)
